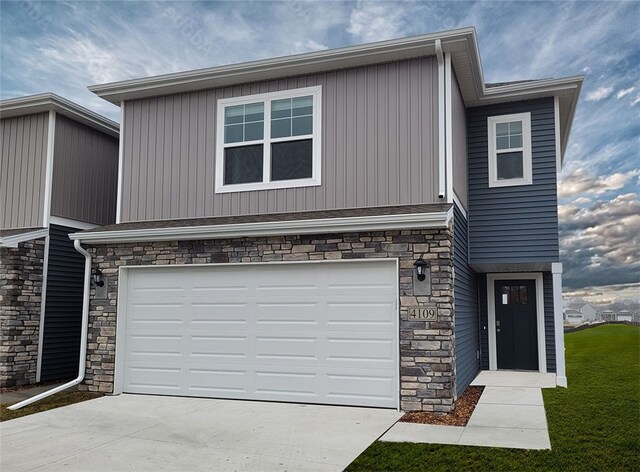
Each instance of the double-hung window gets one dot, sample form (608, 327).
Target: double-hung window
(269, 140)
(510, 150)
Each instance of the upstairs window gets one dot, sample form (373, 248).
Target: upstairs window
(510, 150)
(269, 141)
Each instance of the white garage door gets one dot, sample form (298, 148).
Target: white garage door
(309, 332)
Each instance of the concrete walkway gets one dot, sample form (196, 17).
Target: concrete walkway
(506, 416)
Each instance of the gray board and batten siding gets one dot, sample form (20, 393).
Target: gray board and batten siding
(519, 224)
(379, 146)
(85, 173)
(23, 162)
(459, 144)
(465, 285)
(549, 330)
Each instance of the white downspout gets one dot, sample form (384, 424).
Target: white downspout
(83, 336)
(441, 122)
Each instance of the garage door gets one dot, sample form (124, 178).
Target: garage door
(308, 332)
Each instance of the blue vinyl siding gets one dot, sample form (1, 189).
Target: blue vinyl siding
(513, 224)
(466, 307)
(547, 286)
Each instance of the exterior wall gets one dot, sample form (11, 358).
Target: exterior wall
(426, 348)
(85, 173)
(549, 330)
(379, 146)
(63, 307)
(466, 307)
(22, 170)
(20, 296)
(513, 224)
(459, 133)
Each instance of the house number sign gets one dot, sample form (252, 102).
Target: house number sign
(423, 313)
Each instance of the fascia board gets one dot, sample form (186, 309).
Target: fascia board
(325, 225)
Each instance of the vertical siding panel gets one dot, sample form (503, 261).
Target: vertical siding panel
(192, 155)
(329, 144)
(143, 123)
(152, 167)
(394, 134)
(129, 158)
(371, 141)
(415, 188)
(210, 152)
(350, 147)
(360, 165)
(382, 135)
(201, 174)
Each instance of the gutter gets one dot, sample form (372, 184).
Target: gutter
(441, 122)
(83, 336)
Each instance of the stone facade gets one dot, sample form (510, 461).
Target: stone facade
(20, 298)
(426, 347)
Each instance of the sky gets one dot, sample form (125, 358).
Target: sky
(63, 47)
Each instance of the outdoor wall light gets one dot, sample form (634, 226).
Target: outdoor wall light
(97, 278)
(421, 268)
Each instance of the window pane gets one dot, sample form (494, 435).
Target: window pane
(292, 160)
(281, 128)
(515, 141)
(302, 106)
(524, 295)
(509, 165)
(302, 125)
(243, 164)
(502, 142)
(253, 131)
(502, 129)
(281, 108)
(233, 114)
(515, 127)
(514, 298)
(233, 134)
(254, 112)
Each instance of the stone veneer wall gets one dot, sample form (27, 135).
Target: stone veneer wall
(426, 347)
(20, 297)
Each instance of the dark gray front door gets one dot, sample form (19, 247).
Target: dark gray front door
(516, 326)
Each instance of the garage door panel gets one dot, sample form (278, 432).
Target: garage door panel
(318, 333)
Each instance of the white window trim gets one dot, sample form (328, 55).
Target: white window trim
(527, 166)
(316, 136)
(491, 310)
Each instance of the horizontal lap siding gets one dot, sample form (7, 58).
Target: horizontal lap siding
(466, 308)
(379, 146)
(63, 307)
(549, 328)
(23, 144)
(513, 224)
(85, 173)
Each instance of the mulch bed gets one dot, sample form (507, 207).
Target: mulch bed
(25, 387)
(458, 417)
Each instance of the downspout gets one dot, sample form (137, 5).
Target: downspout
(83, 336)
(441, 122)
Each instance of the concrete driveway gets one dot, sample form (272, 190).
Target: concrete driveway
(154, 433)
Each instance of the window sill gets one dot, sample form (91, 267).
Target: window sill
(251, 187)
(510, 183)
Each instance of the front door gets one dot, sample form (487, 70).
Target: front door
(516, 324)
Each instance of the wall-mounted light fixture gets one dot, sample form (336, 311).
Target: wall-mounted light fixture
(421, 268)
(97, 278)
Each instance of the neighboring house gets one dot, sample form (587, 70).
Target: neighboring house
(572, 316)
(587, 310)
(58, 175)
(607, 315)
(629, 311)
(624, 315)
(371, 225)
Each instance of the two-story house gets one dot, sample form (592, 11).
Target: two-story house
(58, 175)
(371, 225)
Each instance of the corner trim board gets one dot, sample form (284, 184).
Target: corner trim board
(491, 312)
(448, 128)
(120, 171)
(48, 184)
(43, 305)
(561, 374)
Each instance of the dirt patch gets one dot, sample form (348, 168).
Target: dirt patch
(458, 417)
(27, 387)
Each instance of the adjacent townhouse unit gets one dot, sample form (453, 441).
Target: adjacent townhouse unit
(372, 225)
(58, 175)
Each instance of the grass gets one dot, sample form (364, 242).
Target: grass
(594, 424)
(54, 401)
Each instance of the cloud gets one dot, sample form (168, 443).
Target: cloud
(581, 182)
(600, 244)
(599, 94)
(635, 101)
(605, 294)
(376, 21)
(625, 92)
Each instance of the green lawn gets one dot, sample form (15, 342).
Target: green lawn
(594, 424)
(54, 401)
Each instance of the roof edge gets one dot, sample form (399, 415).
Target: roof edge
(115, 92)
(30, 104)
(14, 240)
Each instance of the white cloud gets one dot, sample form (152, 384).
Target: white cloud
(635, 101)
(599, 94)
(625, 92)
(581, 182)
(371, 21)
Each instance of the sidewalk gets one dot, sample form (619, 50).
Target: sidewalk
(505, 416)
